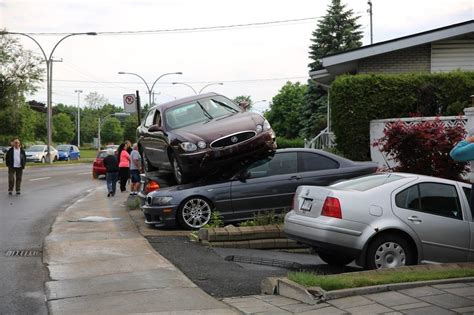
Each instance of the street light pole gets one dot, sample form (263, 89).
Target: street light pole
(217, 83)
(150, 90)
(78, 117)
(49, 81)
(189, 86)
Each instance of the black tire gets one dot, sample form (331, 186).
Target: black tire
(335, 259)
(178, 175)
(55, 158)
(147, 165)
(94, 175)
(194, 213)
(389, 251)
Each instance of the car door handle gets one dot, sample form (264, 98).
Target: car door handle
(294, 177)
(414, 218)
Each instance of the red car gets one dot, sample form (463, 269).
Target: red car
(98, 167)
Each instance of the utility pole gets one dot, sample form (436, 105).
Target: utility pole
(78, 117)
(371, 29)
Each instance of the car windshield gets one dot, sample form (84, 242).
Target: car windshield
(367, 182)
(63, 148)
(199, 111)
(36, 148)
(102, 154)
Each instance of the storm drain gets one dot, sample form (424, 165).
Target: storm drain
(23, 253)
(264, 261)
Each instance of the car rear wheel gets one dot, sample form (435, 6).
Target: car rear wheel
(335, 259)
(194, 213)
(389, 251)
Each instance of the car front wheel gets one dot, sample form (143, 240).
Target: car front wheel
(335, 259)
(178, 174)
(389, 251)
(194, 213)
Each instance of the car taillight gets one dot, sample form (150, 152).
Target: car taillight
(151, 186)
(332, 208)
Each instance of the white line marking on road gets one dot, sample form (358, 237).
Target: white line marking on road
(39, 178)
(85, 173)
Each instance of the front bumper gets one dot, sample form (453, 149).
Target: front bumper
(33, 159)
(202, 162)
(160, 216)
(325, 234)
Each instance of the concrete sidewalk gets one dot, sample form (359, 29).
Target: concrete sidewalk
(109, 268)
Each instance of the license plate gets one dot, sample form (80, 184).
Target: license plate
(306, 206)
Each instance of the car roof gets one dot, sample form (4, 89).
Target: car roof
(341, 160)
(183, 100)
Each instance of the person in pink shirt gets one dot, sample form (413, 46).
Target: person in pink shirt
(124, 164)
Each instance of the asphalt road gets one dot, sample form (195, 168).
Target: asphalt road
(209, 269)
(25, 220)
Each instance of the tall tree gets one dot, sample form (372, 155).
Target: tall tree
(95, 100)
(111, 131)
(336, 32)
(64, 128)
(285, 108)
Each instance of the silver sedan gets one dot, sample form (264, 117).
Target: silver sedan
(385, 220)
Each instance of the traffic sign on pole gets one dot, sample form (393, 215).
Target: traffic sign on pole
(130, 103)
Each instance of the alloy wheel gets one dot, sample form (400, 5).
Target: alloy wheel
(196, 213)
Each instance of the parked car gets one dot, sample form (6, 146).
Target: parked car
(98, 167)
(385, 220)
(3, 152)
(68, 152)
(39, 153)
(268, 184)
(202, 134)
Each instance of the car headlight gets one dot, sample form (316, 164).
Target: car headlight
(202, 145)
(159, 201)
(266, 125)
(188, 146)
(259, 128)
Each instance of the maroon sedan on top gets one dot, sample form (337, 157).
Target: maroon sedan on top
(200, 135)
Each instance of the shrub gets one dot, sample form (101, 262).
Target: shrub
(357, 99)
(265, 218)
(423, 148)
(289, 143)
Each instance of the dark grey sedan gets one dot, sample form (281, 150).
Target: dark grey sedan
(266, 185)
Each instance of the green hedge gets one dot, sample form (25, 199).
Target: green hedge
(289, 143)
(357, 99)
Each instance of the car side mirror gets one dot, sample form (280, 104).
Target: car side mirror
(244, 175)
(155, 128)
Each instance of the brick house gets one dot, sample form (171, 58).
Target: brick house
(443, 49)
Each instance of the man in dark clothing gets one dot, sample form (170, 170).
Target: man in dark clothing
(112, 169)
(15, 160)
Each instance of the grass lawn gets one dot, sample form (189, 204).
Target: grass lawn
(346, 281)
(88, 153)
(87, 156)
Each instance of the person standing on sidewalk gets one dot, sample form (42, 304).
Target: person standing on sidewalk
(464, 152)
(124, 165)
(135, 162)
(15, 160)
(112, 170)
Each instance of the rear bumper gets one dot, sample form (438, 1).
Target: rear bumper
(99, 170)
(326, 234)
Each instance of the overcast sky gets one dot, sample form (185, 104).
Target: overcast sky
(251, 61)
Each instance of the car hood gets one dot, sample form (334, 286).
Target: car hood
(219, 127)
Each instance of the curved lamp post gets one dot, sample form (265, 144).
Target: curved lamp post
(49, 78)
(150, 90)
(200, 91)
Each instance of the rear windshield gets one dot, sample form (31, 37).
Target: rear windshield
(367, 182)
(102, 154)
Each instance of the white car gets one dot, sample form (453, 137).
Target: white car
(385, 220)
(39, 153)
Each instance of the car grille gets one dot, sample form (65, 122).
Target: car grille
(233, 139)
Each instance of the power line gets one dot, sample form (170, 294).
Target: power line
(195, 29)
(190, 82)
